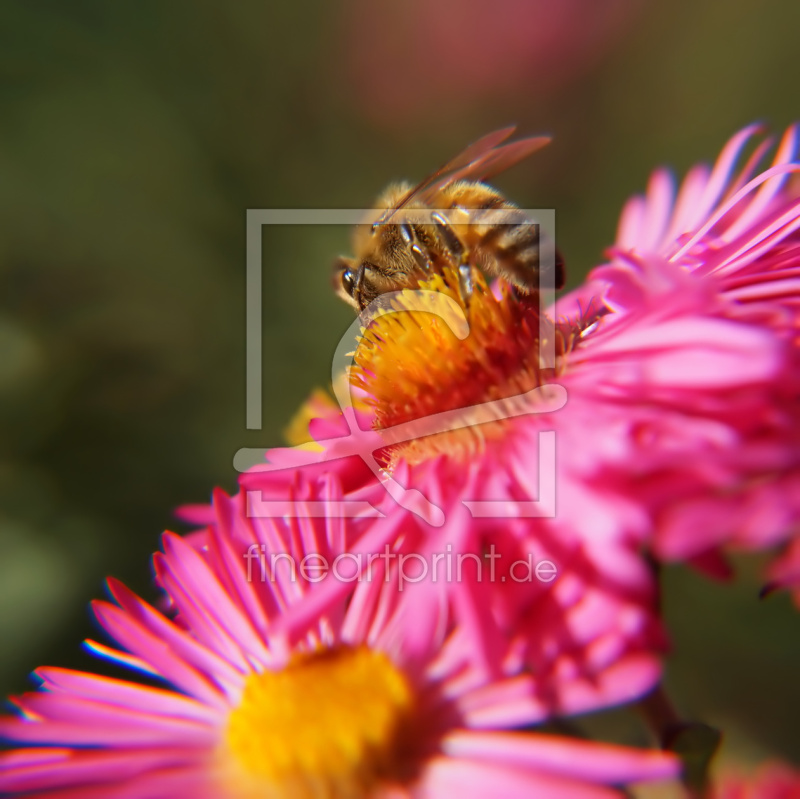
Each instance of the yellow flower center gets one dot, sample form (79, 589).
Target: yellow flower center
(412, 364)
(333, 723)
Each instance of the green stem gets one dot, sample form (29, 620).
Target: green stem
(695, 743)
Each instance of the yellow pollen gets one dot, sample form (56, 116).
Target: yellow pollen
(332, 723)
(412, 365)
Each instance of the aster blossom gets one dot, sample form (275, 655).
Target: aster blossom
(679, 361)
(588, 631)
(729, 244)
(652, 412)
(373, 694)
(679, 434)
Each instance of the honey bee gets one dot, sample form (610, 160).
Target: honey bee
(451, 218)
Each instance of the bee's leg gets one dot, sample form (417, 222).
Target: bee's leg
(455, 246)
(358, 286)
(451, 240)
(465, 280)
(421, 257)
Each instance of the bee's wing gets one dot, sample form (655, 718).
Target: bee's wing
(487, 165)
(475, 153)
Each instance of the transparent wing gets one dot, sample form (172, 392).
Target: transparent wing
(479, 161)
(489, 164)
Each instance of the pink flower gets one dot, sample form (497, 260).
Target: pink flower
(669, 394)
(682, 426)
(272, 693)
(587, 625)
(771, 781)
(533, 599)
(721, 262)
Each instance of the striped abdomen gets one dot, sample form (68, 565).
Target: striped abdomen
(496, 236)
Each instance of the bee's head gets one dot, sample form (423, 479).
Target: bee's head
(352, 282)
(343, 279)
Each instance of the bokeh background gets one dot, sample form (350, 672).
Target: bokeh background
(134, 136)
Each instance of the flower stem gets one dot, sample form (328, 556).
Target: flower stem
(694, 742)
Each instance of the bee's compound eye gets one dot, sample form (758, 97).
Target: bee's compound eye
(349, 281)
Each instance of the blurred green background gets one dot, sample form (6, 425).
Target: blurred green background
(134, 136)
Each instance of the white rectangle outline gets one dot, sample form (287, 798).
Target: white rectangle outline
(543, 506)
(257, 218)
